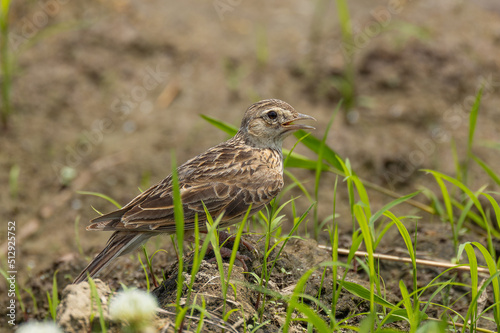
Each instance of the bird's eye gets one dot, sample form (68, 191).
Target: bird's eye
(272, 115)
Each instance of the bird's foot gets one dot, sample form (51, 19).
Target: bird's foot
(226, 253)
(225, 238)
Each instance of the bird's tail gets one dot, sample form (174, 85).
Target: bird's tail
(120, 243)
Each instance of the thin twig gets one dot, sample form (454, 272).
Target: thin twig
(238, 323)
(422, 262)
(395, 195)
(478, 329)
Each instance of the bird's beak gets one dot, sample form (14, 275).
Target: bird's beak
(289, 125)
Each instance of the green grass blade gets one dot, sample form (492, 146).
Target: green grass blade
(473, 120)
(55, 294)
(490, 262)
(5, 63)
(363, 196)
(346, 168)
(447, 202)
(196, 257)
(179, 318)
(51, 306)
(491, 144)
(319, 171)
(364, 293)
(95, 296)
(214, 240)
(54, 300)
(179, 229)
(298, 184)
(4, 10)
(391, 204)
(289, 153)
(212, 227)
(77, 235)
(293, 301)
(368, 240)
(408, 306)
(464, 214)
(314, 144)
(409, 245)
(289, 236)
(100, 195)
(486, 168)
(472, 310)
(334, 240)
(15, 170)
(456, 161)
(19, 298)
(380, 236)
(201, 315)
(234, 252)
(301, 307)
(481, 222)
(467, 191)
(495, 205)
(471, 215)
(312, 317)
(226, 127)
(295, 160)
(321, 152)
(144, 268)
(367, 325)
(472, 128)
(33, 299)
(494, 306)
(345, 20)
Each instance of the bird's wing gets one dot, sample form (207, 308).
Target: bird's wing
(231, 200)
(224, 180)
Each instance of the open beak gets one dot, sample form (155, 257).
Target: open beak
(289, 125)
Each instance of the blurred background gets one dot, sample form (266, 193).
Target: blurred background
(96, 95)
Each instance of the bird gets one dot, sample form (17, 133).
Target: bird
(244, 171)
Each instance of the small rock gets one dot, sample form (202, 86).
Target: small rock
(75, 310)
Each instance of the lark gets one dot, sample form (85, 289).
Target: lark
(246, 170)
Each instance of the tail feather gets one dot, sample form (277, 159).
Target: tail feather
(115, 215)
(119, 243)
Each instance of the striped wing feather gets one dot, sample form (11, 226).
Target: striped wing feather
(224, 179)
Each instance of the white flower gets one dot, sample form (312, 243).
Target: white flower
(39, 327)
(133, 306)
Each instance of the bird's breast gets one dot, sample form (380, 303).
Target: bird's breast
(271, 158)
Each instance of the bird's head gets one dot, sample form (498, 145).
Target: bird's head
(268, 122)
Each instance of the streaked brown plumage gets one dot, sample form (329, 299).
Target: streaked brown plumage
(228, 178)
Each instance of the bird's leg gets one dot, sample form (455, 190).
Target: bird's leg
(155, 282)
(149, 263)
(226, 251)
(224, 237)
